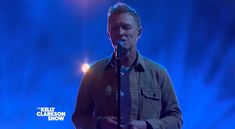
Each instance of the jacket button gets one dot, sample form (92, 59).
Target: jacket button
(154, 95)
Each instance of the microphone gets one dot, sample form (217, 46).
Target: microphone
(119, 49)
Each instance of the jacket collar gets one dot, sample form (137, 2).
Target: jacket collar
(139, 64)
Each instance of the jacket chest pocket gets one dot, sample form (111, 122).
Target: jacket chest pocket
(151, 102)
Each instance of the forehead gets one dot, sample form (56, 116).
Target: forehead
(122, 18)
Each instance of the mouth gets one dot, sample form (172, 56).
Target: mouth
(121, 40)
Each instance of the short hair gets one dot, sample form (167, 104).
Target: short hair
(119, 8)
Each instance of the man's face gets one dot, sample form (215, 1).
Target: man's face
(123, 27)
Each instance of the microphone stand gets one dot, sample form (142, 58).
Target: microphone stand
(118, 67)
(119, 93)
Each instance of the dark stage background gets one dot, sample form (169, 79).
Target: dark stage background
(43, 44)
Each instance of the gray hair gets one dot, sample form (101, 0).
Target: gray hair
(119, 8)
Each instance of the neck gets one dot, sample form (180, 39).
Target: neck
(128, 58)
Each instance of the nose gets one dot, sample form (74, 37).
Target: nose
(121, 31)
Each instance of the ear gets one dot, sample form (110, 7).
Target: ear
(139, 31)
(108, 35)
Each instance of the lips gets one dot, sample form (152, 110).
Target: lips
(121, 40)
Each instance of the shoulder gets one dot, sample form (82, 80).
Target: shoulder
(158, 71)
(153, 66)
(100, 63)
(98, 66)
(96, 69)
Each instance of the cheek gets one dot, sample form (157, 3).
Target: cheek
(113, 43)
(134, 33)
(134, 36)
(113, 36)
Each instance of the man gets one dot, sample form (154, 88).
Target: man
(148, 100)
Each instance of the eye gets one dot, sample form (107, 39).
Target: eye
(124, 27)
(127, 27)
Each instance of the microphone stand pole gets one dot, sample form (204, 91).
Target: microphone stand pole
(118, 67)
(119, 94)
